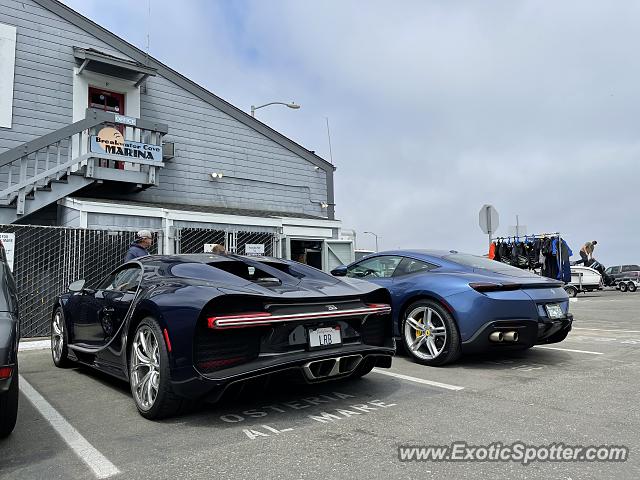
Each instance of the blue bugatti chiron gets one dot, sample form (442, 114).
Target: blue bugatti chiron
(446, 303)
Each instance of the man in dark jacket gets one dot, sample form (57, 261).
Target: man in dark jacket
(140, 247)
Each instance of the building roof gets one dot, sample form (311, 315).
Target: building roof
(138, 55)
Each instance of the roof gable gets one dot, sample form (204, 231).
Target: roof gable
(138, 55)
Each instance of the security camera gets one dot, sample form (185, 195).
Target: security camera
(316, 168)
(216, 175)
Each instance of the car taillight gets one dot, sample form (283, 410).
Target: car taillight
(5, 372)
(494, 287)
(211, 321)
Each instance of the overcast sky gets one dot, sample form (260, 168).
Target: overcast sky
(435, 107)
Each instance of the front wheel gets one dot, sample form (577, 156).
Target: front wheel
(623, 287)
(149, 373)
(430, 334)
(9, 406)
(59, 340)
(571, 291)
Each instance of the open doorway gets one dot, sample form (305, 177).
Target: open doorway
(308, 252)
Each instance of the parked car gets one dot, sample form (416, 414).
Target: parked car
(185, 327)
(9, 338)
(619, 272)
(447, 303)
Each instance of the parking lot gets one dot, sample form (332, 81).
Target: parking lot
(583, 391)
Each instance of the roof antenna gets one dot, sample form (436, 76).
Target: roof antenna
(329, 137)
(148, 28)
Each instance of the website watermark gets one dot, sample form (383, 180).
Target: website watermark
(518, 452)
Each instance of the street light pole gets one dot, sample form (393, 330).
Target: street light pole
(375, 235)
(292, 105)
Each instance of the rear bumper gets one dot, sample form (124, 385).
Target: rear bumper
(213, 385)
(530, 333)
(8, 346)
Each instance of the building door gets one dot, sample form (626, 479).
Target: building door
(307, 251)
(108, 101)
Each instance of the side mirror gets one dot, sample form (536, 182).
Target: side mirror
(340, 271)
(77, 286)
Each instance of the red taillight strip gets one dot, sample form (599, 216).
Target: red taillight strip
(257, 319)
(5, 372)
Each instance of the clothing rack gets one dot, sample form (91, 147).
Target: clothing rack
(539, 236)
(535, 236)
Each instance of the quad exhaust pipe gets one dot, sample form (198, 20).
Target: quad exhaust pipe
(496, 337)
(510, 337)
(331, 367)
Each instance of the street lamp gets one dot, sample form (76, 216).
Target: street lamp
(290, 105)
(376, 239)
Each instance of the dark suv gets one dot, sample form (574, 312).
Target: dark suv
(9, 337)
(619, 272)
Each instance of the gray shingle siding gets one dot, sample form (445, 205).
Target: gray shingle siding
(43, 84)
(259, 173)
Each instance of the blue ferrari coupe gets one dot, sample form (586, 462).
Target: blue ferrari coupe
(446, 303)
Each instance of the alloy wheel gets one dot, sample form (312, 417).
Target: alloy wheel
(145, 367)
(425, 333)
(57, 336)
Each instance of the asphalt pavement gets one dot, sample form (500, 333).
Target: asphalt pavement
(583, 391)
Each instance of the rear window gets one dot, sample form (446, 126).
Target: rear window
(474, 261)
(211, 272)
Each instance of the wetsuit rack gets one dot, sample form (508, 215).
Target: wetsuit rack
(517, 238)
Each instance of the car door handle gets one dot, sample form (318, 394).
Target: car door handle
(108, 310)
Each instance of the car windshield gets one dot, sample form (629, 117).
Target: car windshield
(474, 261)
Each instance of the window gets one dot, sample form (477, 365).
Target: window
(615, 270)
(630, 268)
(410, 266)
(376, 267)
(125, 280)
(474, 261)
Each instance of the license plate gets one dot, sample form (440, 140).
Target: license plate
(324, 337)
(554, 311)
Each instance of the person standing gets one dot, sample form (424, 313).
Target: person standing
(140, 247)
(586, 252)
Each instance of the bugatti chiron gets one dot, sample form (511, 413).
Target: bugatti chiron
(186, 327)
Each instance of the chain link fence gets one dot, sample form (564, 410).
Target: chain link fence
(193, 240)
(48, 259)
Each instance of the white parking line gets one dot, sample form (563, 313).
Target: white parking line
(568, 350)
(34, 345)
(102, 468)
(418, 380)
(606, 330)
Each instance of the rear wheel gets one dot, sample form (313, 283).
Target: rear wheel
(9, 406)
(430, 334)
(59, 340)
(571, 291)
(149, 373)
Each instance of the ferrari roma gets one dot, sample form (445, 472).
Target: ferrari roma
(447, 303)
(186, 327)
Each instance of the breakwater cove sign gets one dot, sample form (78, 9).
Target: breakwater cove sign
(110, 141)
